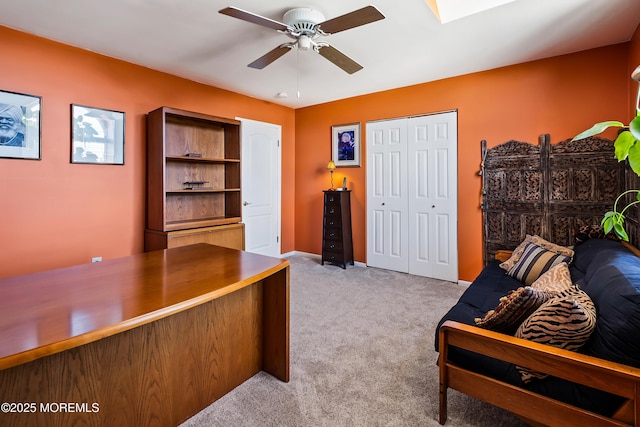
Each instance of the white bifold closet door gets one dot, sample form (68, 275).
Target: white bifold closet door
(412, 195)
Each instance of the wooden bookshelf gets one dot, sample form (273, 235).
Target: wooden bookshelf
(193, 171)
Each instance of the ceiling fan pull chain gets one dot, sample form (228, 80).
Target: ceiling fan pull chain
(298, 73)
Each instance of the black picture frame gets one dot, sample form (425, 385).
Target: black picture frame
(97, 135)
(346, 145)
(20, 116)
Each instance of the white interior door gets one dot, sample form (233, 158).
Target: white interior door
(261, 178)
(387, 220)
(433, 212)
(412, 223)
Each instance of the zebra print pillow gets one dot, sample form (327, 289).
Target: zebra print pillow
(554, 280)
(564, 321)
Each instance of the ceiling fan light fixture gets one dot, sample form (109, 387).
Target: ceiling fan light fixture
(304, 42)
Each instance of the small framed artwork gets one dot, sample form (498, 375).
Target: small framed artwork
(97, 135)
(20, 125)
(345, 145)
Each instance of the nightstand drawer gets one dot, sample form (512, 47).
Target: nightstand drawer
(332, 199)
(336, 257)
(332, 233)
(332, 211)
(332, 221)
(332, 245)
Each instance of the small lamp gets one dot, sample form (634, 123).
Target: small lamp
(331, 166)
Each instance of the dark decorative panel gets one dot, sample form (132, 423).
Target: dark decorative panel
(560, 185)
(533, 186)
(559, 232)
(533, 225)
(550, 190)
(495, 223)
(510, 150)
(583, 184)
(495, 184)
(513, 185)
(608, 184)
(513, 228)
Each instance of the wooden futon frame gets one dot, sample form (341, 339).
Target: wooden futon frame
(533, 408)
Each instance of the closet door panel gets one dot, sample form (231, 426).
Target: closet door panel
(387, 221)
(432, 204)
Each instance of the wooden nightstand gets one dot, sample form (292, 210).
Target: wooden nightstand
(337, 243)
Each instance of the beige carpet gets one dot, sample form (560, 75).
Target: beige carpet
(361, 355)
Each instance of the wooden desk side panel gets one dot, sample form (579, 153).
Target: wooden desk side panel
(276, 324)
(158, 374)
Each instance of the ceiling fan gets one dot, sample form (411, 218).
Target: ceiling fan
(305, 26)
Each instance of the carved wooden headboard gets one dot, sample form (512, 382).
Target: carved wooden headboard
(550, 190)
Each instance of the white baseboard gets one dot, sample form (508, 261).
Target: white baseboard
(300, 253)
(308, 254)
(464, 283)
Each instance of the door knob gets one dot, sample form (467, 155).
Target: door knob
(382, 203)
(433, 206)
(246, 203)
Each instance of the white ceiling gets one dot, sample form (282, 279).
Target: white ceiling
(189, 38)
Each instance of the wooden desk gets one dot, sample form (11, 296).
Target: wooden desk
(149, 339)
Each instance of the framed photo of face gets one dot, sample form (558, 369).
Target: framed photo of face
(20, 125)
(346, 145)
(97, 136)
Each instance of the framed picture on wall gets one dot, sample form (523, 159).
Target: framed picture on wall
(20, 125)
(346, 145)
(97, 135)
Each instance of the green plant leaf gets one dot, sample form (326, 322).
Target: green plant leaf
(623, 143)
(634, 127)
(621, 232)
(634, 157)
(607, 224)
(597, 128)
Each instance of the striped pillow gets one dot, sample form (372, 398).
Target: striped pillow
(534, 261)
(537, 240)
(564, 321)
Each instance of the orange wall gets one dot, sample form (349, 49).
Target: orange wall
(560, 96)
(55, 214)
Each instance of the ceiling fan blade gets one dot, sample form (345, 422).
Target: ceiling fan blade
(340, 59)
(271, 56)
(350, 20)
(253, 18)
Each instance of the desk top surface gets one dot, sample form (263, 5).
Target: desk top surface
(51, 311)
